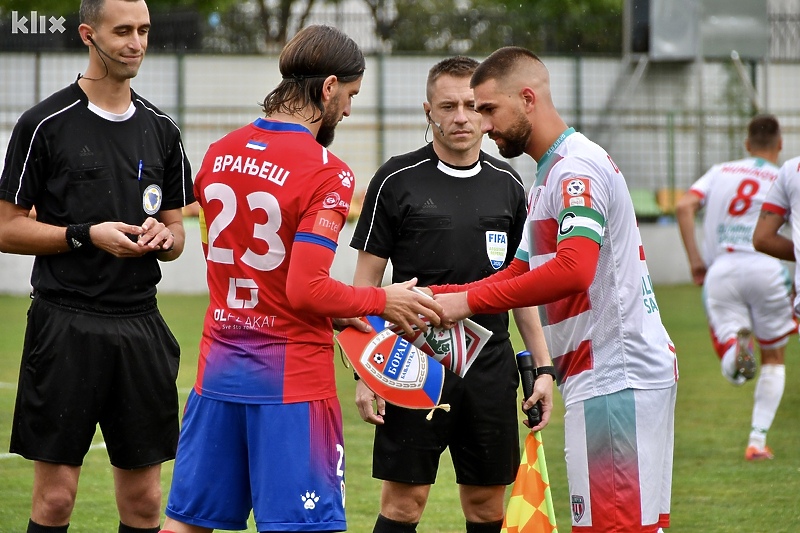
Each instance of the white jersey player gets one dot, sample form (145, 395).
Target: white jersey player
(746, 293)
(582, 262)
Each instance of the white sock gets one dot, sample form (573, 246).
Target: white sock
(767, 397)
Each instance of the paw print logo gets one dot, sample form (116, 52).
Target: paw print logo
(310, 500)
(347, 178)
(378, 358)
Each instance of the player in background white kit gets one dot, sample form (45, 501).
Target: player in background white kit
(746, 293)
(782, 204)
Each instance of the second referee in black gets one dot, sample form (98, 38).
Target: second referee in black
(448, 213)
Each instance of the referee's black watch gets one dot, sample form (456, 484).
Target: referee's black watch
(542, 370)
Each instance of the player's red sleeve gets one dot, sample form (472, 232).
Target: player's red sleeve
(517, 267)
(310, 288)
(570, 272)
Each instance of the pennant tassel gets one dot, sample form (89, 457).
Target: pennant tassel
(443, 406)
(530, 508)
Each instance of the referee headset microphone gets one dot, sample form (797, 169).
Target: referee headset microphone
(434, 123)
(103, 52)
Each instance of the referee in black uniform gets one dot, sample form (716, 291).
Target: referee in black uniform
(447, 213)
(107, 175)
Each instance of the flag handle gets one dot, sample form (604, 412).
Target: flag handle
(527, 376)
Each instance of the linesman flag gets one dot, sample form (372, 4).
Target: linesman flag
(530, 508)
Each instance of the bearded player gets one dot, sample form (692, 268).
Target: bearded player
(582, 261)
(262, 428)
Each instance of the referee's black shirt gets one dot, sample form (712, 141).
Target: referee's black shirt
(431, 221)
(77, 164)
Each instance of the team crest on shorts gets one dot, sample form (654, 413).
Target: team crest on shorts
(578, 508)
(496, 247)
(151, 199)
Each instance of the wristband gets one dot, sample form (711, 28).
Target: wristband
(542, 370)
(78, 236)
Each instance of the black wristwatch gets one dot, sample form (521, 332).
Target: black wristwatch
(542, 370)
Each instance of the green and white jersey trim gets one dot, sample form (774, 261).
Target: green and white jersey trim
(578, 221)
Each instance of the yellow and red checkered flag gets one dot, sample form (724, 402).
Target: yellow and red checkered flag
(530, 508)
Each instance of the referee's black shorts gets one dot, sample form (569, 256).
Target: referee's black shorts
(481, 429)
(81, 368)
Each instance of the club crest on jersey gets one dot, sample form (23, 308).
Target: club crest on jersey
(331, 200)
(151, 199)
(578, 507)
(496, 247)
(576, 192)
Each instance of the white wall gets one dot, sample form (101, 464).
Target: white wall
(211, 95)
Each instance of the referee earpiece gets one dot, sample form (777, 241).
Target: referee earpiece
(430, 120)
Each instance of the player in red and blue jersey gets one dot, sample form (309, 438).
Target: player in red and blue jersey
(262, 428)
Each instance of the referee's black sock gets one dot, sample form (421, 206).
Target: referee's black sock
(33, 527)
(385, 525)
(484, 527)
(128, 529)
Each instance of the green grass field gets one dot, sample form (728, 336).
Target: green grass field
(714, 489)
